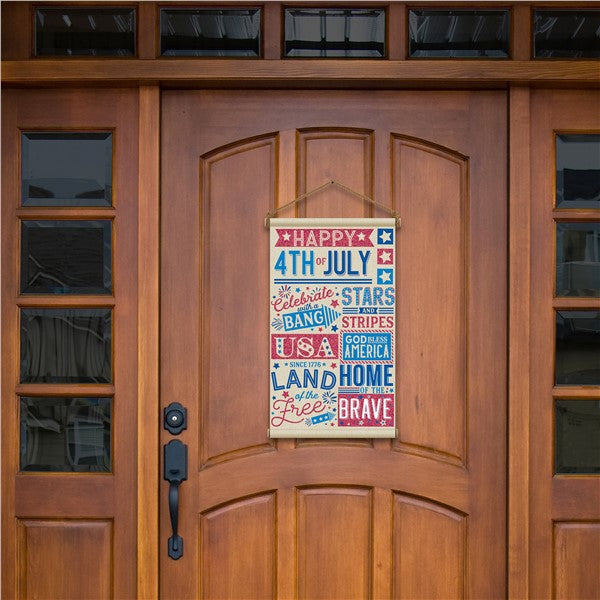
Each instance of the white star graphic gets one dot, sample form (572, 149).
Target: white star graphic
(385, 236)
(361, 236)
(385, 256)
(286, 236)
(384, 276)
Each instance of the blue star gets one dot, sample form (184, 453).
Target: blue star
(334, 328)
(385, 277)
(385, 236)
(276, 365)
(297, 289)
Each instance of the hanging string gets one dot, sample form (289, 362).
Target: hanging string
(295, 201)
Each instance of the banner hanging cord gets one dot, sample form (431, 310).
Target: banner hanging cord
(295, 201)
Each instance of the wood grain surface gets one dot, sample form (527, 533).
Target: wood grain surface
(348, 518)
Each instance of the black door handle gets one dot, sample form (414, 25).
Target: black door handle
(175, 473)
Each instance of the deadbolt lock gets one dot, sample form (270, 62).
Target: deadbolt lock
(175, 418)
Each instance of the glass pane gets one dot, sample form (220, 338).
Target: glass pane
(566, 33)
(66, 169)
(66, 345)
(209, 32)
(578, 171)
(577, 439)
(66, 257)
(335, 32)
(577, 347)
(89, 31)
(578, 259)
(66, 434)
(458, 33)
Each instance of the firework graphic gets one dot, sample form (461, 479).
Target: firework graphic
(328, 397)
(284, 291)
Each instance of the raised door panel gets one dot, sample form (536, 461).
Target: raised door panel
(334, 542)
(576, 550)
(66, 559)
(431, 186)
(343, 155)
(429, 547)
(233, 276)
(237, 549)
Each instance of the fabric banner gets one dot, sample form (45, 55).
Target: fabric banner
(332, 349)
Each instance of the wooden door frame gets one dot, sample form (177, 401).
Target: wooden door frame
(519, 312)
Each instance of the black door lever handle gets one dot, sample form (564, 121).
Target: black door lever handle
(175, 473)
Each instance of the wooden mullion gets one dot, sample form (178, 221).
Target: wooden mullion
(576, 214)
(147, 30)
(519, 334)
(397, 31)
(79, 213)
(65, 301)
(272, 30)
(576, 392)
(17, 31)
(64, 389)
(521, 48)
(572, 303)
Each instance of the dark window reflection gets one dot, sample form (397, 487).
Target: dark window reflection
(66, 345)
(577, 436)
(335, 32)
(578, 171)
(89, 31)
(66, 257)
(578, 259)
(209, 32)
(66, 434)
(66, 169)
(566, 33)
(577, 347)
(458, 33)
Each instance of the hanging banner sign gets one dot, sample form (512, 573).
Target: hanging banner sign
(332, 350)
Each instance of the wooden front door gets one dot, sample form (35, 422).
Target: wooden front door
(421, 516)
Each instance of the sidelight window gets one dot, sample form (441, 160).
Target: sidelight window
(66, 254)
